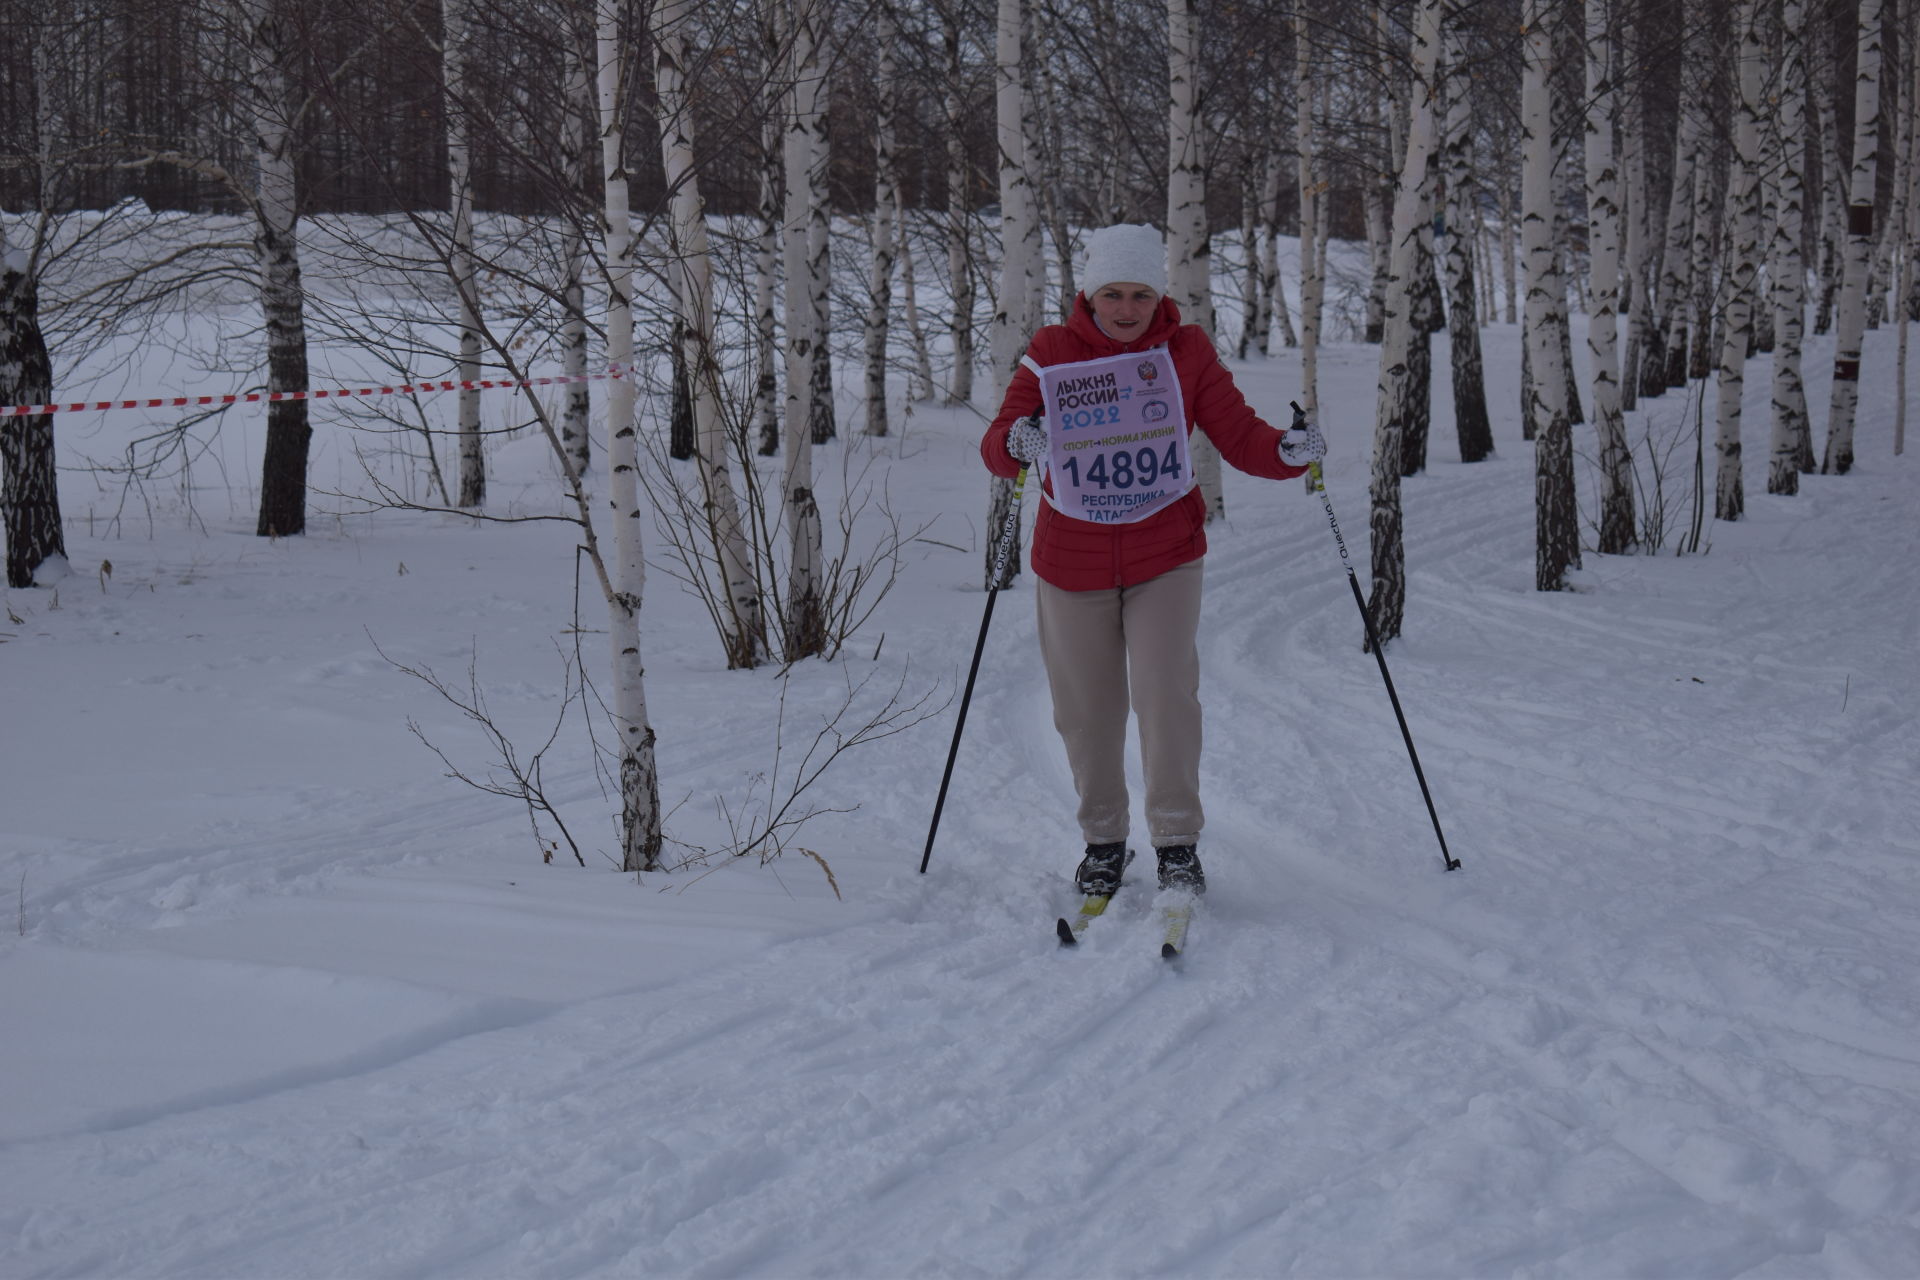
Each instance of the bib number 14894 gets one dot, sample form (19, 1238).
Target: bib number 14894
(1122, 469)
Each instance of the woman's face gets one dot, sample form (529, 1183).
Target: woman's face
(1124, 308)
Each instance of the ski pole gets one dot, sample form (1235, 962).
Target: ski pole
(1000, 554)
(1379, 651)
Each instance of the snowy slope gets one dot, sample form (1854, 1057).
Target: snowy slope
(284, 1001)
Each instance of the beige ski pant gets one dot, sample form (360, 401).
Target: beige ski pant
(1128, 648)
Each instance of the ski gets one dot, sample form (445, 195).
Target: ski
(1174, 919)
(1091, 908)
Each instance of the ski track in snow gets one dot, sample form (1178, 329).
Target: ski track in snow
(1665, 1020)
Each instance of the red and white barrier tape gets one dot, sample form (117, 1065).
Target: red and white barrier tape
(272, 397)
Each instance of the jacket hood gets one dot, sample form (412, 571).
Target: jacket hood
(1166, 319)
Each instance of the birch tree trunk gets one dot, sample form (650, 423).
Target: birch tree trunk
(885, 186)
(1743, 262)
(1312, 279)
(1486, 270)
(1474, 427)
(1636, 295)
(959, 219)
(1010, 333)
(1603, 243)
(460, 261)
(1880, 280)
(1252, 283)
(1377, 198)
(283, 482)
(804, 625)
(920, 388)
(775, 97)
(816, 123)
(1908, 299)
(1706, 235)
(29, 483)
(1792, 445)
(1033, 261)
(1556, 513)
(1044, 173)
(742, 627)
(1189, 251)
(1909, 233)
(1276, 317)
(1509, 273)
(29, 478)
(1276, 320)
(1676, 263)
(1851, 320)
(1563, 161)
(639, 776)
(1387, 604)
(1829, 265)
(1424, 308)
(577, 141)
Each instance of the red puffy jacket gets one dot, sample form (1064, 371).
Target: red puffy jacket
(1079, 555)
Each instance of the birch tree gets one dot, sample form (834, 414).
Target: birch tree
(1010, 332)
(460, 260)
(1312, 279)
(29, 478)
(959, 214)
(1851, 318)
(774, 97)
(639, 776)
(1556, 513)
(812, 125)
(273, 108)
(1471, 420)
(1382, 149)
(742, 629)
(920, 386)
(881, 227)
(1275, 320)
(1636, 287)
(578, 137)
(1603, 243)
(1743, 261)
(1829, 263)
(1189, 250)
(1705, 239)
(1033, 260)
(804, 626)
(1387, 604)
(1909, 233)
(1673, 330)
(1509, 275)
(1252, 291)
(29, 483)
(1050, 145)
(1792, 444)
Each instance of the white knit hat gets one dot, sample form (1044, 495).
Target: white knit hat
(1126, 253)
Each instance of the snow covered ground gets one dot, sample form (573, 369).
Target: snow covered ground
(281, 1000)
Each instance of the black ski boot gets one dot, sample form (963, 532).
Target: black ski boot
(1099, 873)
(1180, 868)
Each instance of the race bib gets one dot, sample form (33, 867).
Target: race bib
(1117, 435)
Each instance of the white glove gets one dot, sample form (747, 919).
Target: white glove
(1303, 445)
(1027, 440)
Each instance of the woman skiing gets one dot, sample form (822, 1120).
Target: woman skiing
(1105, 405)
